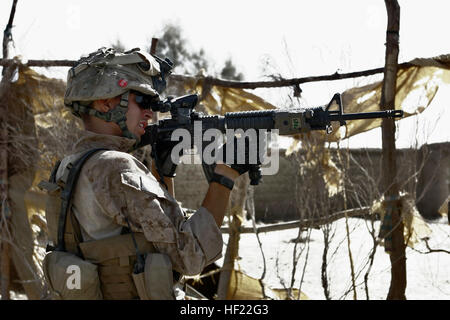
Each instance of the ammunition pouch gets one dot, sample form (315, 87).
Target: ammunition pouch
(156, 281)
(116, 258)
(71, 278)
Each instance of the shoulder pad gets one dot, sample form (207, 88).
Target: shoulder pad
(146, 184)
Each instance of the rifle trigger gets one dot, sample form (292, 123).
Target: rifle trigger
(329, 129)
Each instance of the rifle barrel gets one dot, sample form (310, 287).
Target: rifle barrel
(366, 115)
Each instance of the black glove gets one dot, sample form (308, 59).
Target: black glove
(245, 165)
(161, 154)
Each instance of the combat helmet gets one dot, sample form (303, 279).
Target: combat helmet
(107, 73)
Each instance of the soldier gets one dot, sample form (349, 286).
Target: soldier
(119, 210)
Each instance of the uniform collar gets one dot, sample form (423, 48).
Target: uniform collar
(91, 140)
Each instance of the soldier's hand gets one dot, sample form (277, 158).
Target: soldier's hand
(242, 155)
(161, 154)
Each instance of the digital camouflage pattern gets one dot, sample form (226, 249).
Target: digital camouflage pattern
(113, 185)
(107, 73)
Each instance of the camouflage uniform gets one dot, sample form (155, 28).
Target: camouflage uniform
(113, 185)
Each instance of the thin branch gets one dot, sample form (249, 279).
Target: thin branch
(324, 273)
(225, 83)
(7, 35)
(305, 223)
(251, 207)
(430, 250)
(350, 255)
(304, 266)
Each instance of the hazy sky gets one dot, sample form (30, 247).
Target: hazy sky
(291, 37)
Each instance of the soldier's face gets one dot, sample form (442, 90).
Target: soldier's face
(137, 118)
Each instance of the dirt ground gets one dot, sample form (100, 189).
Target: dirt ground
(428, 275)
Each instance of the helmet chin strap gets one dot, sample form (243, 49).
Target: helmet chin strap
(116, 115)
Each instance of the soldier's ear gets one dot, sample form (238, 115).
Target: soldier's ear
(112, 103)
(101, 105)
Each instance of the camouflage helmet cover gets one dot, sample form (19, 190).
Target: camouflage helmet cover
(107, 73)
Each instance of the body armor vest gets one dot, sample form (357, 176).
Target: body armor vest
(118, 259)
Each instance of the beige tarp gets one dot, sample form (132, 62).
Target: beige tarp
(443, 209)
(219, 100)
(415, 228)
(34, 105)
(416, 88)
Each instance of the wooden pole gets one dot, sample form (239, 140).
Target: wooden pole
(238, 197)
(153, 46)
(392, 224)
(5, 265)
(7, 35)
(4, 213)
(230, 256)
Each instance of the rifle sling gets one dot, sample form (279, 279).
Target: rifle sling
(66, 195)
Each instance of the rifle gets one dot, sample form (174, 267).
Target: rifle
(287, 122)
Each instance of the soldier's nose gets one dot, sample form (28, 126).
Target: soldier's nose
(148, 114)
